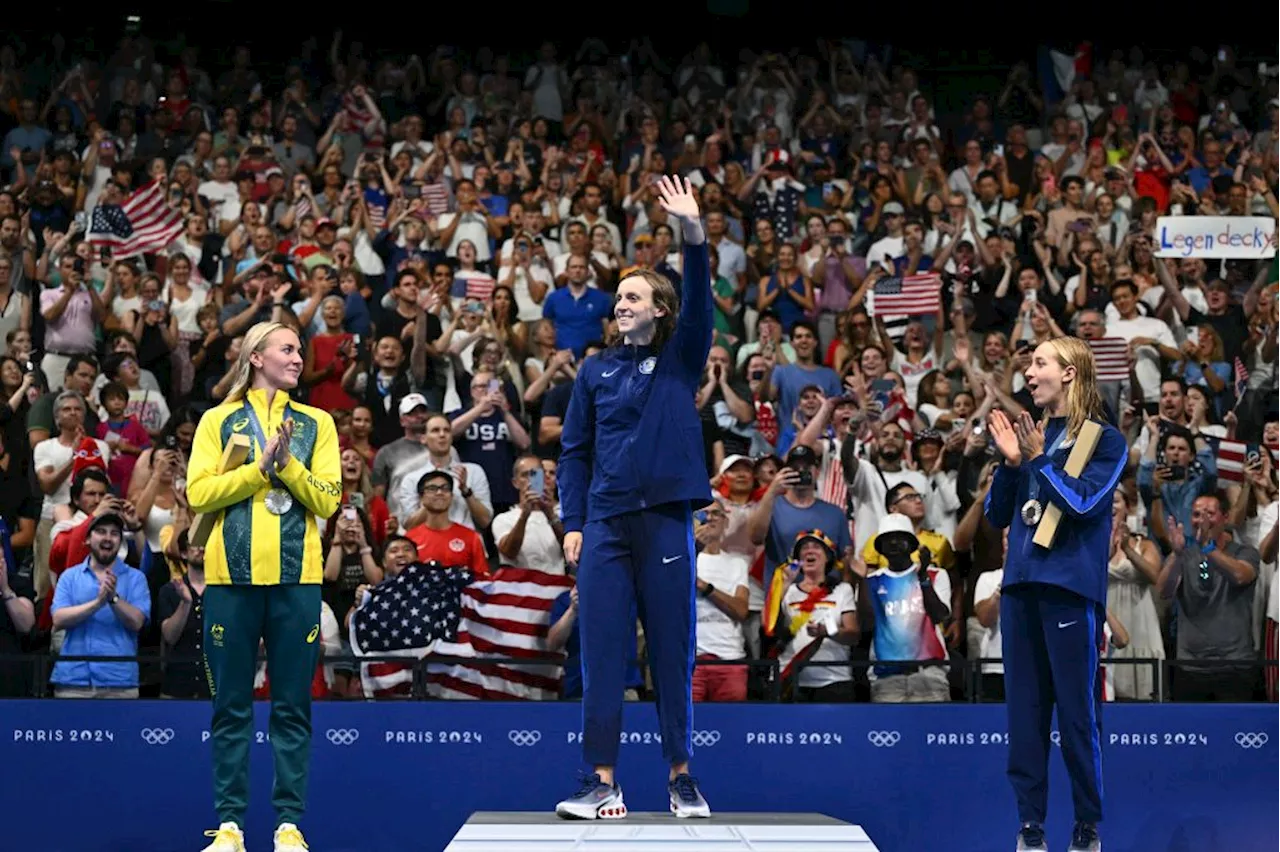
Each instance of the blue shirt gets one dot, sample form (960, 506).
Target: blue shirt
(788, 520)
(632, 437)
(578, 321)
(571, 686)
(1081, 550)
(103, 634)
(790, 379)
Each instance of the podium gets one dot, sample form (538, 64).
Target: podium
(524, 831)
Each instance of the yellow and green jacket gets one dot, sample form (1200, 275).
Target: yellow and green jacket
(249, 545)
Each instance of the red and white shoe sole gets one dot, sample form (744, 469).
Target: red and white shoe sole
(618, 811)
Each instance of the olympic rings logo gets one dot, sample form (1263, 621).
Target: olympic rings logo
(342, 736)
(1249, 739)
(883, 739)
(157, 736)
(705, 739)
(524, 738)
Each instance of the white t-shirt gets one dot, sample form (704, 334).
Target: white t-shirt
(831, 610)
(869, 485)
(1146, 364)
(51, 452)
(404, 490)
(883, 251)
(719, 634)
(226, 193)
(540, 550)
(472, 227)
(989, 646)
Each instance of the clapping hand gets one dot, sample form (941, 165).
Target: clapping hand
(284, 437)
(1030, 436)
(1005, 437)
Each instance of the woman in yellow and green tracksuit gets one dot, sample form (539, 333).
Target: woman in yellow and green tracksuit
(263, 567)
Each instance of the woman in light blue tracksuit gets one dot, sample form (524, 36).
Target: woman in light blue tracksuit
(632, 471)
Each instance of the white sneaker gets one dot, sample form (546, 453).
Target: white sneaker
(289, 839)
(228, 838)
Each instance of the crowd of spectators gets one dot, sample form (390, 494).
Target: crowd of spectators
(445, 231)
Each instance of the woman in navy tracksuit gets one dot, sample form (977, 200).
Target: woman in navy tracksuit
(631, 470)
(1053, 600)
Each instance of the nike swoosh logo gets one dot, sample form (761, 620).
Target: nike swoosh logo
(1062, 625)
(667, 560)
(610, 373)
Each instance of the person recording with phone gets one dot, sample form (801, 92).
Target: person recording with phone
(1176, 469)
(71, 314)
(530, 534)
(789, 506)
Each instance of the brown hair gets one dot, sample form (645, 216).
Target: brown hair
(665, 298)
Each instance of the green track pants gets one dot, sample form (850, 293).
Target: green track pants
(236, 619)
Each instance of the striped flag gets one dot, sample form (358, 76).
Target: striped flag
(502, 617)
(1241, 379)
(507, 616)
(910, 295)
(1230, 458)
(145, 223)
(1111, 358)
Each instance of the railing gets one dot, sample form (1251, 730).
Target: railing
(764, 676)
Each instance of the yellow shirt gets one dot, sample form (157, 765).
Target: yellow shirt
(249, 545)
(942, 554)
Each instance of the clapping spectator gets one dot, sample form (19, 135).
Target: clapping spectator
(722, 608)
(102, 604)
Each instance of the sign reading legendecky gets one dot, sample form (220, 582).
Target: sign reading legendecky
(1246, 237)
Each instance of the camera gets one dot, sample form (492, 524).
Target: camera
(169, 442)
(804, 477)
(1177, 472)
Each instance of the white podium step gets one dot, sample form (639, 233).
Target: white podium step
(523, 831)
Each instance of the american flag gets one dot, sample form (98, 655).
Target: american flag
(144, 223)
(502, 617)
(912, 295)
(479, 284)
(1241, 379)
(1230, 458)
(1111, 358)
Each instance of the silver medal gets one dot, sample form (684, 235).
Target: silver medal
(278, 501)
(1031, 512)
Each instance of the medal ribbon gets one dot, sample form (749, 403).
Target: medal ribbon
(1033, 486)
(256, 426)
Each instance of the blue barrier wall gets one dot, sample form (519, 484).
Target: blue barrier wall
(82, 776)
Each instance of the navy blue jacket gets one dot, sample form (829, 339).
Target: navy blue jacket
(1080, 553)
(632, 437)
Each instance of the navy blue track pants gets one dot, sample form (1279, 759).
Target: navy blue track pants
(646, 558)
(1051, 641)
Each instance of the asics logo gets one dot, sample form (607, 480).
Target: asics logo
(240, 425)
(704, 739)
(311, 637)
(524, 739)
(883, 739)
(610, 373)
(342, 736)
(1250, 739)
(156, 736)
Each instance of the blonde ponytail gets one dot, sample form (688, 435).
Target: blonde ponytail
(255, 340)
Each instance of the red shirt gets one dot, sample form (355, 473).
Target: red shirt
(456, 546)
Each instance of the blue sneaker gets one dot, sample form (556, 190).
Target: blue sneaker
(686, 801)
(1084, 838)
(594, 800)
(1031, 838)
